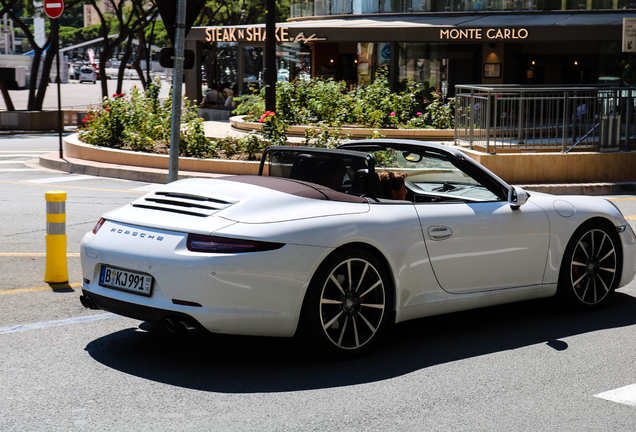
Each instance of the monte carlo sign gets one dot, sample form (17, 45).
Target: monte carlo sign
(483, 34)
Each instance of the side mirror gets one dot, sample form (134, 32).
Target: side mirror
(517, 197)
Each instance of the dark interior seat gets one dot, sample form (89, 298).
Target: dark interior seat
(360, 184)
(305, 168)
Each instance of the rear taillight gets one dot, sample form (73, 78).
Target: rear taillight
(213, 244)
(98, 225)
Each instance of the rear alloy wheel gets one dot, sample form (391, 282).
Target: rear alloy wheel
(589, 273)
(349, 304)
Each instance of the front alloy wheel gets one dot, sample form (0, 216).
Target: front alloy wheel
(349, 302)
(590, 269)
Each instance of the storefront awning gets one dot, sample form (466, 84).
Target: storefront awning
(453, 28)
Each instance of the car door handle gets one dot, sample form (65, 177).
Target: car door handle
(439, 232)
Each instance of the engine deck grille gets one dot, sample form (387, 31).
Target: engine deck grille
(183, 203)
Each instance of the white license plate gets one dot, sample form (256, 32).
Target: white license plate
(126, 280)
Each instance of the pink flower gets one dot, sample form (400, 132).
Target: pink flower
(393, 114)
(419, 113)
(267, 113)
(260, 120)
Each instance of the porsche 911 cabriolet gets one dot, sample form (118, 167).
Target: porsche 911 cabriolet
(314, 246)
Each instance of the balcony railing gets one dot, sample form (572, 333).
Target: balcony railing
(591, 118)
(308, 8)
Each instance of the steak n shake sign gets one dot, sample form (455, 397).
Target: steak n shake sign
(483, 34)
(255, 34)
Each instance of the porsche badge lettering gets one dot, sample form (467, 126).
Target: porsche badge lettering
(137, 234)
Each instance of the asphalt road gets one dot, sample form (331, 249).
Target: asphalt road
(523, 367)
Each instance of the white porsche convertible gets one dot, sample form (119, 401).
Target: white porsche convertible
(314, 246)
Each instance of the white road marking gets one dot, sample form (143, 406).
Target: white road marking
(48, 324)
(624, 395)
(18, 169)
(12, 162)
(60, 179)
(43, 151)
(18, 155)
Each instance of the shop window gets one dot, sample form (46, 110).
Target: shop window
(219, 64)
(293, 61)
(371, 56)
(252, 67)
(423, 63)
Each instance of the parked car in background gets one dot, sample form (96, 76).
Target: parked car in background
(87, 74)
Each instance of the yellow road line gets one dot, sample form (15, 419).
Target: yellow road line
(72, 187)
(70, 255)
(621, 199)
(42, 288)
(631, 217)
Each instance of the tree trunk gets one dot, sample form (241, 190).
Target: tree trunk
(5, 94)
(46, 67)
(140, 52)
(124, 62)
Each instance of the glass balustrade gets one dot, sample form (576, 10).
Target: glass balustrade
(308, 8)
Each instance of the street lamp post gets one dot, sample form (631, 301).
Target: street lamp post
(177, 83)
(270, 55)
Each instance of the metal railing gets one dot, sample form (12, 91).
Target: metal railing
(565, 118)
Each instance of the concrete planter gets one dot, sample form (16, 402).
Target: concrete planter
(74, 148)
(359, 132)
(524, 168)
(29, 120)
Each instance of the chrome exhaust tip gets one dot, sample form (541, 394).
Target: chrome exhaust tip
(170, 325)
(184, 327)
(88, 303)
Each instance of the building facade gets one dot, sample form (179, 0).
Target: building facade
(440, 43)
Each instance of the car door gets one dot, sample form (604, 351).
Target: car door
(476, 241)
(480, 246)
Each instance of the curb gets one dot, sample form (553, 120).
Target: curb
(126, 172)
(583, 188)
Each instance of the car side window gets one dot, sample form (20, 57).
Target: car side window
(433, 178)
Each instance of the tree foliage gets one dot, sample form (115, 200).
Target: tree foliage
(238, 12)
(17, 10)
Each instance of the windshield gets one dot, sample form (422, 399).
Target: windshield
(432, 176)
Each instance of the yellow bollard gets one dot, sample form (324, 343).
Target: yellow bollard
(56, 270)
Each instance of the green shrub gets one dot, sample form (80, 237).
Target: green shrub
(441, 111)
(139, 121)
(326, 102)
(322, 135)
(274, 130)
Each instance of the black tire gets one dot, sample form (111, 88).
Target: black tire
(349, 304)
(590, 270)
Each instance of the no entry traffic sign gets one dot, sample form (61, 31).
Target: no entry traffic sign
(54, 8)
